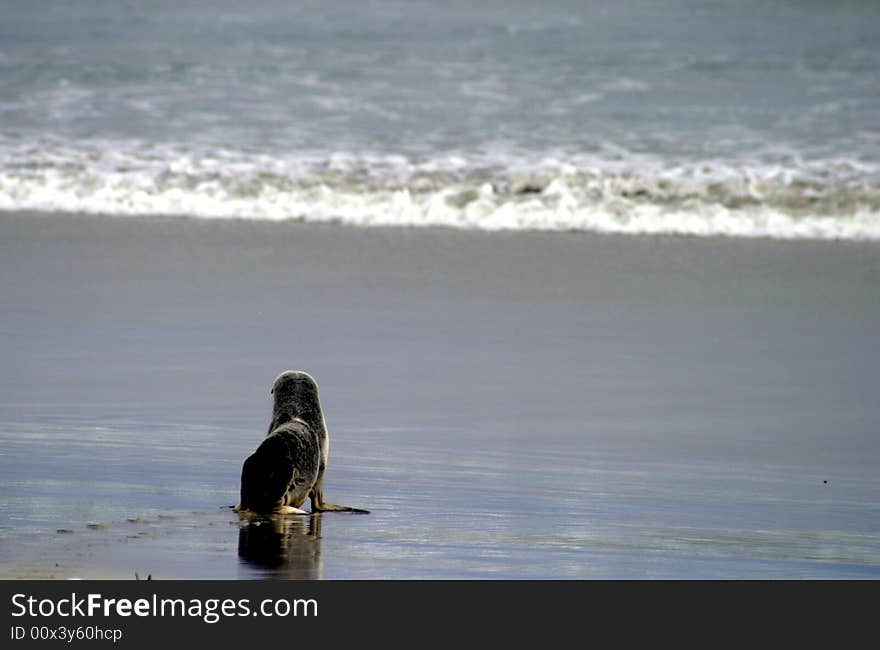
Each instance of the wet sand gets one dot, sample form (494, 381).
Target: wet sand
(506, 405)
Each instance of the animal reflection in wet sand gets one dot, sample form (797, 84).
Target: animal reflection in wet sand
(288, 547)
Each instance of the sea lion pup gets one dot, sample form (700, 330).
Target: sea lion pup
(290, 463)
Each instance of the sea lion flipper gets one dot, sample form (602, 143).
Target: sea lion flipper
(332, 507)
(319, 505)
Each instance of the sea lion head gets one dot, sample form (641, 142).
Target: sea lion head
(296, 396)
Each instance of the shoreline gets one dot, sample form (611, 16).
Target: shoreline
(433, 228)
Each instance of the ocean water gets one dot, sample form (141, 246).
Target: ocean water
(752, 118)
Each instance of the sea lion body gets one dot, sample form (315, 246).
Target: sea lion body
(283, 470)
(289, 465)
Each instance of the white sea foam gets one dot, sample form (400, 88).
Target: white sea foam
(614, 192)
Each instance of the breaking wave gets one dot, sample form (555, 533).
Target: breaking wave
(791, 199)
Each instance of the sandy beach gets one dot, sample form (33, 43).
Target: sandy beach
(507, 405)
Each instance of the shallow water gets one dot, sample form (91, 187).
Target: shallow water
(508, 509)
(505, 406)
